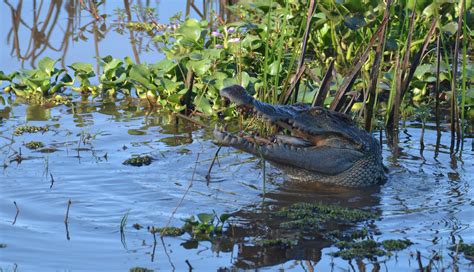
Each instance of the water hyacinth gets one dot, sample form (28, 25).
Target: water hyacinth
(234, 40)
(231, 30)
(216, 34)
(219, 46)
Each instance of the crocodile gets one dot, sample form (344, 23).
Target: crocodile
(311, 144)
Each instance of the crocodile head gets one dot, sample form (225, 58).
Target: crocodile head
(312, 143)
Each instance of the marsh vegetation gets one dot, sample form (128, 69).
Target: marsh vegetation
(89, 89)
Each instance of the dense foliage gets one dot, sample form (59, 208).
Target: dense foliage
(260, 50)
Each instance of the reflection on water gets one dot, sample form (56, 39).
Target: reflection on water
(78, 31)
(426, 199)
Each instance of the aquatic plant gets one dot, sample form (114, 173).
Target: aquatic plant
(311, 216)
(139, 161)
(368, 248)
(34, 145)
(30, 129)
(280, 51)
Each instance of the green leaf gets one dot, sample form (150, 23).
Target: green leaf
(422, 70)
(205, 217)
(8, 77)
(165, 65)
(224, 217)
(82, 67)
(111, 66)
(200, 67)
(252, 42)
(46, 65)
(190, 30)
(354, 22)
(141, 74)
(203, 105)
(274, 68)
(450, 28)
(169, 85)
(213, 53)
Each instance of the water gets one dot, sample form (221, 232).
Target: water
(427, 198)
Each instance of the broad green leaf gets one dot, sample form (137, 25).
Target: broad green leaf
(274, 68)
(176, 98)
(82, 67)
(8, 77)
(450, 28)
(169, 85)
(190, 30)
(165, 65)
(212, 53)
(224, 217)
(200, 67)
(203, 105)
(141, 74)
(422, 70)
(196, 55)
(245, 79)
(46, 64)
(111, 66)
(252, 42)
(205, 217)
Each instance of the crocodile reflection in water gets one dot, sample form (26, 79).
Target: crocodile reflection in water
(259, 222)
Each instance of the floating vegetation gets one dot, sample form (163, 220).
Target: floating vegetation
(267, 52)
(33, 145)
(140, 269)
(368, 248)
(29, 129)
(467, 249)
(358, 250)
(396, 245)
(169, 231)
(205, 227)
(139, 161)
(310, 216)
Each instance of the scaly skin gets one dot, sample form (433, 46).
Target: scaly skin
(324, 146)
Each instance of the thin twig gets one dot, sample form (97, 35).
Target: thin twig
(66, 219)
(17, 212)
(189, 265)
(208, 176)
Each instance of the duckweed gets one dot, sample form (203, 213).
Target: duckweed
(138, 161)
(309, 216)
(358, 250)
(396, 245)
(29, 129)
(369, 248)
(34, 145)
